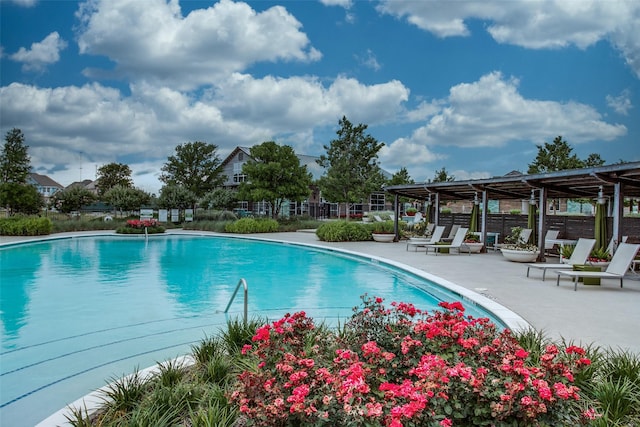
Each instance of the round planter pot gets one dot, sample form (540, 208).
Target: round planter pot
(383, 237)
(519, 256)
(472, 247)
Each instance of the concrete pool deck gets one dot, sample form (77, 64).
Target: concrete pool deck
(603, 315)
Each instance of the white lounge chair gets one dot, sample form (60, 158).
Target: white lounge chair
(579, 256)
(550, 235)
(458, 241)
(616, 270)
(423, 241)
(452, 233)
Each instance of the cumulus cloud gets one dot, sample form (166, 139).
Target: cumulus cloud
(369, 60)
(532, 24)
(621, 104)
(152, 41)
(492, 113)
(41, 53)
(342, 3)
(145, 126)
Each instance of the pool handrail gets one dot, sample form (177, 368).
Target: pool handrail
(246, 294)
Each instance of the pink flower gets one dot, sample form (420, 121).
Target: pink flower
(446, 422)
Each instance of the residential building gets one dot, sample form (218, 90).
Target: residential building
(46, 186)
(315, 206)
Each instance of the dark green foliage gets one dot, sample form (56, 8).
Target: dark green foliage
(18, 226)
(195, 167)
(274, 174)
(20, 198)
(251, 225)
(113, 175)
(353, 172)
(213, 226)
(559, 155)
(344, 231)
(73, 199)
(15, 163)
(175, 196)
(239, 333)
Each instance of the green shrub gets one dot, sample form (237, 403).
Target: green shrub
(215, 216)
(251, 225)
(344, 231)
(217, 226)
(21, 226)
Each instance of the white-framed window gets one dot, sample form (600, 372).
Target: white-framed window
(377, 202)
(238, 176)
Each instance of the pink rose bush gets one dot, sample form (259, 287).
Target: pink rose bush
(142, 223)
(400, 366)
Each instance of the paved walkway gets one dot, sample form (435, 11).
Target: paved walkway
(604, 315)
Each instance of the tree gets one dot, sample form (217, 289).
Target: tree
(274, 174)
(401, 177)
(20, 198)
(195, 166)
(112, 175)
(443, 176)
(15, 163)
(126, 198)
(353, 172)
(557, 156)
(593, 160)
(72, 199)
(176, 197)
(220, 198)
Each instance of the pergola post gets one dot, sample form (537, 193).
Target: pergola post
(618, 212)
(542, 216)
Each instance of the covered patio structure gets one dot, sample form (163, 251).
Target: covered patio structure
(613, 183)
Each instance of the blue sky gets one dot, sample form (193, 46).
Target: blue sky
(469, 86)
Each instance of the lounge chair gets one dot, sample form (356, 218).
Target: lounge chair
(579, 256)
(452, 233)
(429, 230)
(423, 241)
(550, 235)
(377, 218)
(458, 241)
(616, 270)
(611, 247)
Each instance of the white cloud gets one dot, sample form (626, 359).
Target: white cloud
(621, 104)
(145, 127)
(491, 113)
(369, 60)
(41, 53)
(152, 41)
(532, 24)
(342, 3)
(23, 3)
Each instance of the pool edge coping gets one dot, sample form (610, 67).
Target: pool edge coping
(91, 401)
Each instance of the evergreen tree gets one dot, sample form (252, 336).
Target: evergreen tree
(15, 163)
(353, 172)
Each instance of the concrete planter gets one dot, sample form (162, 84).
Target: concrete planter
(472, 247)
(383, 237)
(519, 256)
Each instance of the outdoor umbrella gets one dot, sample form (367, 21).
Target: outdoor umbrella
(601, 226)
(531, 223)
(475, 218)
(427, 212)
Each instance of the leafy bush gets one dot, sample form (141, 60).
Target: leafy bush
(401, 366)
(215, 226)
(202, 215)
(252, 225)
(21, 226)
(344, 231)
(382, 227)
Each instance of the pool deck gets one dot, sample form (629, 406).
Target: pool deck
(603, 315)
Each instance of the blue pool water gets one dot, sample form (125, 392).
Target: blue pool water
(78, 312)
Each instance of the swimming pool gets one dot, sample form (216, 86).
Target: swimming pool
(76, 312)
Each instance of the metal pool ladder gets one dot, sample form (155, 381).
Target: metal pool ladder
(246, 294)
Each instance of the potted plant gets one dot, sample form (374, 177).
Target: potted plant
(599, 258)
(472, 243)
(383, 231)
(566, 251)
(411, 211)
(515, 249)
